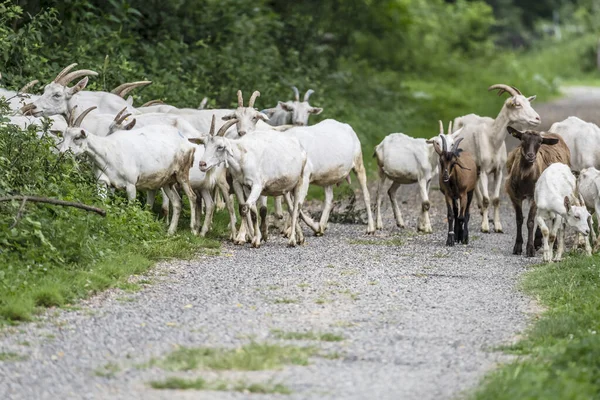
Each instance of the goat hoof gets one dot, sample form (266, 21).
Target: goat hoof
(292, 243)
(518, 250)
(530, 251)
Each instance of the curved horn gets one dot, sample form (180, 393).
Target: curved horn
(307, 94)
(119, 118)
(80, 118)
(455, 145)
(71, 117)
(517, 90)
(296, 93)
(441, 127)
(65, 80)
(240, 99)
(226, 126)
(504, 88)
(64, 71)
(211, 132)
(152, 103)
(27, 108)
(31, 84)
(253, 98)
(125, 88)
(444, 144)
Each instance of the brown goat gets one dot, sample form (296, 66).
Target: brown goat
(456, 184)
(525, 164)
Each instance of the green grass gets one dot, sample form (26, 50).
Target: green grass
(310, 335)
(375, 242)
(220, 385)
(10, 356)
(285, 300)
(250, 357)
(108, 370)
(560, 356)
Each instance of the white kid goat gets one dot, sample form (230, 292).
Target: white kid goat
(294, 112)
(266, 162)
(484, 138)
(588, 183)
(558, 205)
(149, 158)
(582, 138)
(405, 160)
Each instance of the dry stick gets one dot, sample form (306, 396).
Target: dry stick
(57, 202)
(19, 213)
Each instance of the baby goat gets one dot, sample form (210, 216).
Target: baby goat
(456, 184)
(558, 204)
(525, 164)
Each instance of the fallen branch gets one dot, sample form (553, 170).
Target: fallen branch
(57, 202)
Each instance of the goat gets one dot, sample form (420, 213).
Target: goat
(484, 138)
(525, 164)
(149, 158)
(294, 112)
(266, 162)
(16, 99)
(406, 160)
(588, 184)
(558, 204)
(60, 99)
(457, 185)
(580, 136)
(333, 150)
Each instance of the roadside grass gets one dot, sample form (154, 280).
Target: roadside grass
(559, 358)
(108, 370)
(10, 356)
(375, 242)
(58, 287)
(309, 335)
(250, 357)
(220, 385)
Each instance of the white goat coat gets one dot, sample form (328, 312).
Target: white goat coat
(588, 185)
(107, 103)
(201, 119)
(100, 124)
(554, 184)
(405, 159)
(583, 140)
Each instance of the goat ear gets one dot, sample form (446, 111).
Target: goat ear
(567, 203)
(514, 132)
(430, 141)
(286, 106)
(83, 134)
(79, 86)
(316, 110)
(57, 132)
(437, 147)
(263, 116)
(532, 98)
(130, 100)
(196, 140)
(549, 141)
(228, 117)
(269, 112)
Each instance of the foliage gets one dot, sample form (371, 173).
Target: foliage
(560, 356)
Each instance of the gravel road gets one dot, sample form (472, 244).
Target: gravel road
(419, 320)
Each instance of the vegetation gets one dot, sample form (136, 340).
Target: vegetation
(382, 66)
(220, 385)
(310, 335)
(560, 356)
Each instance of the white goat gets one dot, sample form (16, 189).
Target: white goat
(406, 160)
(582, 138)
(558, 204)
(484, 137)
(266, 162)
(588, 184)
(17, 99)
(60, 99)
(333, 150)
(294, 112)
(148, 158)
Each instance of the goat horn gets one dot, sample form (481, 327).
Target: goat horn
(203, 103)
(152, 102)
(125, 88)
(517, 90)
(118, 116)
(296, 93)
(444, 144)
(226, 126)
(27, 108)
(80, 118)
(121, 117)
(450, 127)
(455, 145)
(65, 80)
(64, 71)
(240, 99)
(31, 84)
(504, 88)
(71, 117)
(307, 94)
(253, 98)
(441, 127)
(211, 132)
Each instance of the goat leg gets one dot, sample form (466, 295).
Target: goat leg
(530, 230)
(518, 206)
(450, 239)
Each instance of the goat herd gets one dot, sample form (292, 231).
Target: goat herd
(273, 153)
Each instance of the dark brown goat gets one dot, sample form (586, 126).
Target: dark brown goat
(458, 178)
(525, 164)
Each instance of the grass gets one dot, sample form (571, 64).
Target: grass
(559, 358)
(107, 371)
(375, 242)
(310, 335)
(220, 385)
(10, 356)
(286, 300)
(250, 357)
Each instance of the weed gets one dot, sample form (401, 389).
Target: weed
(220, 385)
(310, 335)
(375, 242)
(285, 300)
(10, 356)
(108, 370)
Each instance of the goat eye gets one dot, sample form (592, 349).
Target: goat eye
(56, 96)
(220, 148)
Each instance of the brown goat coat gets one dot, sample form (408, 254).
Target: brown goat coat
(522, 177)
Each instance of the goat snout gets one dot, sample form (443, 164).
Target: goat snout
(530, 157)
(241, 133)
(202, 166)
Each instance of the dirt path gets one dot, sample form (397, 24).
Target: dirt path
(417, 320)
